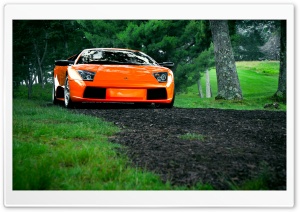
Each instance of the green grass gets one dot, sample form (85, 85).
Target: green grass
(54, 149)
(192, 137)
(258, 81)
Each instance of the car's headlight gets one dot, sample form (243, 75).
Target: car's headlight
(86, 75)
(161, 76)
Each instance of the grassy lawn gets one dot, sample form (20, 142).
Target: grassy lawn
(258, 81)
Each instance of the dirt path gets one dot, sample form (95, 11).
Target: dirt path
(237, 145)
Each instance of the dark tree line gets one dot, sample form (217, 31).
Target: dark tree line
(38, 43)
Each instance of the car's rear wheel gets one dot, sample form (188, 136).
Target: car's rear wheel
(67, 96)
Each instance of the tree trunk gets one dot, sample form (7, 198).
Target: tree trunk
(29, 94)
(281, 91)
(41, 60)
(200, 87)
(40, 70)
(228, 82)
(207, 80)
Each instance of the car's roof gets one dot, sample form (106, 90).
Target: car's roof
(117, 49)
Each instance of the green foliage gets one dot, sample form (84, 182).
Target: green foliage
(206, 59)
(249, 36)
(103, 33)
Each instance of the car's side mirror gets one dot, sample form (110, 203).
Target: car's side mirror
(167, 64)
(64, 62)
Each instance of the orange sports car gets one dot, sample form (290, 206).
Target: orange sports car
(113, 75)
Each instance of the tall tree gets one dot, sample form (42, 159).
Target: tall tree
(40, 53)
(281, 91)
(228, 82)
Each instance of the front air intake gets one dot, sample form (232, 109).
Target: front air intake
(94, 93)
(156, 93)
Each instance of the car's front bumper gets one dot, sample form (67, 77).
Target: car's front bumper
(82, 91)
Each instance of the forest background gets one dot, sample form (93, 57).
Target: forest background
(187, 43)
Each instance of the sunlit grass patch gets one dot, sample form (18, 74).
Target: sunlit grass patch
(261, 67)
(192, 137)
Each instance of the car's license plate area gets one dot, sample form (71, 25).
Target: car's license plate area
(117, 93)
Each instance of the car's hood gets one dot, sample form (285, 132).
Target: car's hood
(123, 72)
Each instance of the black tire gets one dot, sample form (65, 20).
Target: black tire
(54, 100)
(67, 98)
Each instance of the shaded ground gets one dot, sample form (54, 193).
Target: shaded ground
(237, 145)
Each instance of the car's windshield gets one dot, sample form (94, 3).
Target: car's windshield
(107, 56)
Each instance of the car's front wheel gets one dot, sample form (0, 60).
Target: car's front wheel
(54, 100)
(67, 96)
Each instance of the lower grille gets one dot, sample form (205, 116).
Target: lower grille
(96, 93)
(156, 93)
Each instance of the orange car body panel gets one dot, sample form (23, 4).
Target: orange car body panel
(60, 74)
(122, 83)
